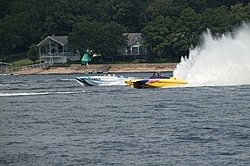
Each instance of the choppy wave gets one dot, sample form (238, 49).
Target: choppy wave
(117, 125)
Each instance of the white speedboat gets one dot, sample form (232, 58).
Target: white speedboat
(102, 80)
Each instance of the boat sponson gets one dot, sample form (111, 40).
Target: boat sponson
(156, 83)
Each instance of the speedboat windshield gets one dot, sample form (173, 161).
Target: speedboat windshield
(159, 77)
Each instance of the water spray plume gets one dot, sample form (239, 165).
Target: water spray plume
(223, 60)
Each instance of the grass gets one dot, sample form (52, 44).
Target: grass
(21, 62)
(18, 60)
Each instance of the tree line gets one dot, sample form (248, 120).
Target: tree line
(169, 27)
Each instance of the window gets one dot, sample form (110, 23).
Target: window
(135, 50)
(60, 48)
(136, 38)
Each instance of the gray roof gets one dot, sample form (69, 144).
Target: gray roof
(62, 40)
(132, 38)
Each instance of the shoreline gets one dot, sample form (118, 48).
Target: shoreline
(101, 68)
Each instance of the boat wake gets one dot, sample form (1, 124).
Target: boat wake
(220, 60)
(36, 93)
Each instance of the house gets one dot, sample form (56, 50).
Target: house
(54, 49)
(134, 45)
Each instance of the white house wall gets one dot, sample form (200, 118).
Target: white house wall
(61, 59)
(137, 47)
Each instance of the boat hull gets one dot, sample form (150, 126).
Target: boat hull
(156, 83)
(102, 80)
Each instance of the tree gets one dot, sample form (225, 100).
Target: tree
(218, 20)
(83, 35)
(61, 15)
(123, 12)
(110, 38)
(23, 22)
(10, 36)
(198, 5)
(239, 13)
(99, 37)
(170, 8)
(187, 31)
(33, 53)
(158, 35)
(20, 28)
(5, 8)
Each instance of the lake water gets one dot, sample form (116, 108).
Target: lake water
(52, 120)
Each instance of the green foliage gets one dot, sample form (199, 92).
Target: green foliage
(21, 62)
(100, 38)
(60, 17)
(170, 8)
(218, 20)
(158, 35)
(4, 8)
(82, 34)
(187, 31)
(239, 13)
(123, 12)
(169, 27)
(110, 38)
(33, 53)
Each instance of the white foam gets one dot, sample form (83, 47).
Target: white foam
(220, 60)
(22, 94)
(36, 94)
(68, 92)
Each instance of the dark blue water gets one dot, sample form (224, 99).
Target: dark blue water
(53, 120)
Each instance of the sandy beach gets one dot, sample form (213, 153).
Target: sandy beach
(99, 68)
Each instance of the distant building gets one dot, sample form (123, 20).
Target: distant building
(54, 49)
(5, 68)
(134, 45)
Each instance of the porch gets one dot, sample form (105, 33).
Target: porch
(54, 49)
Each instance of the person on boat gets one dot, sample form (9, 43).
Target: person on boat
(159, 74)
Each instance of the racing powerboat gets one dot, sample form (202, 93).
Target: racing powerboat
(102, 80)
(156, 82)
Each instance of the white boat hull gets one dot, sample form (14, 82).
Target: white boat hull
(102, 80)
